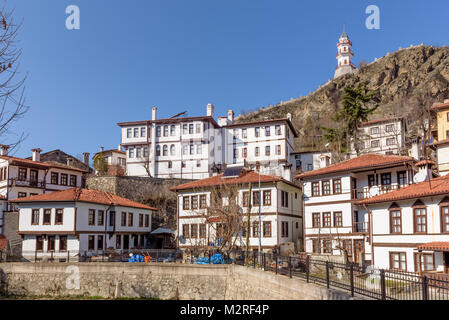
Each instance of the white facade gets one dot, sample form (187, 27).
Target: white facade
(190, 147)
(281, 221)
(86, 228)
(309, 161)
(382, 136)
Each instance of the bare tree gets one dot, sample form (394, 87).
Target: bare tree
(12, 100)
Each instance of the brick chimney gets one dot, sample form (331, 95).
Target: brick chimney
(86, 158)
(4, 149)
(210, 110)
(36, 154)
(154, 113)
(230, 116)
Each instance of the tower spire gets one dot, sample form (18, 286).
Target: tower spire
(344, 55)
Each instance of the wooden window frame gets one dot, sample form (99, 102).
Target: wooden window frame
(185, 203)
(415, 224)
(416, 261)
(202, 231)
(39, 240)
(91, 213)
(33, 211)
(100, 222)
(391, 254)
(327, 249)
(284, 229)
(267, 231)
(130, 219)
(147, 220)
(65, 241)
(186, 231)
(123, 219)
(255, 199)
(338, 217)
(100, 244)
(141, 220)
(335, 183)
(391, 210)
(59, 212)
(20, 175)
(73, 179)
(444, 204)
(203, 201)
(326, 183)
(64, 179)
(194, 202)
(44, 215)
(89, 247)
(316, 220)
(194, 231)
(327, 216)
(317, 193)
(256, 229)
(267, 197)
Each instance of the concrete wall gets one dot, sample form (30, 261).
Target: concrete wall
(164, 281)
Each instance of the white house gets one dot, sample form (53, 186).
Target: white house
(27, 177)
(280, 209)
(81, 221)
(383, 136)
(115, 159)
(333, 220)
(309, 160)
(410, 225)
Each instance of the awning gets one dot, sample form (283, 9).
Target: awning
(162, 231)
(434, 246)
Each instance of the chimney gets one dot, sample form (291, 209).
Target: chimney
(4, 149)
(415, 149)
(426, 166)
(119, 148)
(289, 116)
(325, 161)
(86, 158)
(210, 110)
(153, 113)
(231, 115)
(101, 149)
(36, 154)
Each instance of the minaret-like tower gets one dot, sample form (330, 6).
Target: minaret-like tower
(344, 56)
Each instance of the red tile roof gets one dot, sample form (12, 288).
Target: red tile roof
(38, 164)
(365, 161)
(84, 195)
(367, 123)
(434, 246)
(424, 162)
(244, 178)
(290, 124)
(440, 106)
(432, 187)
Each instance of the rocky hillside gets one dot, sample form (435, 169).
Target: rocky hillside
(410, 78)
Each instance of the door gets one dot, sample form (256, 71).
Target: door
(51, 243)
(354, 188)
(359, 250)
(33, 178)
(126, 242)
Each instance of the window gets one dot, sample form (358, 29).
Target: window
(267, 150)
(136, 132)
(47, 216)
(118, 241)
(22, 174)
(91, 217)
(278, 130)
(138, 152)
(192, 148)
(257, 151)
(420, 220)
(158, 150)
(186, 231)
(172, 150)
(59, 216)
(267, 131)
(267, 229)
(129, 133)
(194, 200)
(398, 261)
(165, 150)
(255, 229)
(327, 246)
(245, 153)
(244, 133)
(191, 128)
(338, 219)
(278, 150)
(186, 203)
(198, 128)
(123, 221)
(185, 149)
(245, 198)
(391, 141)
(35, 216)
(140, 220)
(184, 129)
(236, 133)
(327, 220)
(267, 198)
(158, 131)
(39, 243)
(202, 231)
(51, 243)
(385, 179)
(284, 229)
(315, 189)
(316, 246)
(374, 130)
(236, 153)
(72, 180)
(316, 220)
(427, 262)
(284, 199)
(395, 221)
(337, 186)
(172, 130)
(389, 128)
(203, 201)
(165, 131)
(131, 152)
(194, 231)
(100, 242)
(256, 198)
(402, 178)
(143, 132)
(257, 132)
(147, 220)
(445, 219)
(347, 245)
(130, 219)
(371, 180)
(64, 178)
(21, 194)
(326, 188)
(375, 143)
(62, 243)
(100, 217)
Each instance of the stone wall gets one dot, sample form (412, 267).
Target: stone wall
(164, 281)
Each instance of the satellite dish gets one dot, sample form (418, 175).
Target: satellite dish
(420, 177)
(374, 191)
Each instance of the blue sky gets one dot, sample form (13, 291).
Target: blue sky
(180, 55)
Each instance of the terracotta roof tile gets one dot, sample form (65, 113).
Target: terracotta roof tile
(365, 161)
(435, 246)
(39, 164)
(423, 162)
(84, 195)
(367, 123)
(432, 187)
(219, 180)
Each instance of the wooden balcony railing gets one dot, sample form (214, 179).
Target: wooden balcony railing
(366, 193)
(361, 227)
(14, 182)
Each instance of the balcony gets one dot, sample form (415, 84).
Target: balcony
(360, 227)
(369, 192)
(14, 182)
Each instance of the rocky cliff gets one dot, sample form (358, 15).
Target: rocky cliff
(404, 79)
